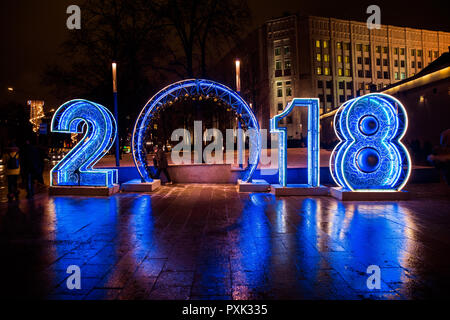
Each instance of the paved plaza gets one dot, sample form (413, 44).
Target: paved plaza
(211, 242)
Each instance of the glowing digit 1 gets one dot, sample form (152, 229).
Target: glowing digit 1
(76, 168)
(313, 140)
(370, 156)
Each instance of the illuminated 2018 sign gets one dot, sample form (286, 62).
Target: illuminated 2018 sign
(76, 168)
(370, 156)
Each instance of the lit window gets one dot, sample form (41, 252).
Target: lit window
(338, 45)
(347, 72)
(317, 43)
(278, 65)
(366, 48)
(277, 51)
(319, 70)
(325, 43)
(318, 57)
(402, 51)
(340, 72)
(326, 71)
(339, 58)
(326, 58)
(287, 50)
(347, 59)
(403, 75)
(287, 64)
(413, 52)
(396, 75)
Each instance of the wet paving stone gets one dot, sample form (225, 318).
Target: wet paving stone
(206, 242)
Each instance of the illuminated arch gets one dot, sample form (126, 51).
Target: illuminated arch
(189, 88)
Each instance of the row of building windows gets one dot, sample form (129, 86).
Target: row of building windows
(288, 89)
(329, 85)
(286, 51)
(340, 71)
(378, 49)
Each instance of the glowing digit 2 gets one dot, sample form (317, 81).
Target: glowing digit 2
(370, 156)
(76, 168)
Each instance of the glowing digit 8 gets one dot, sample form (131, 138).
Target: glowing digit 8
(76, 168)
(370, 155)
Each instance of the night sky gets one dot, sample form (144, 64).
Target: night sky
(32, 31)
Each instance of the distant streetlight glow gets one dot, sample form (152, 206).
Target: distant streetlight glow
(114, 71)
(238, 75)
(10, 89)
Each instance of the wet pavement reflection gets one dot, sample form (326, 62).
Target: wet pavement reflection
(210, 242)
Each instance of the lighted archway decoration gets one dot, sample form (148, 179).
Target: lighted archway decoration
(193, 87)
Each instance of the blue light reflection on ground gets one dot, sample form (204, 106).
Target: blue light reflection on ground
(272, 248)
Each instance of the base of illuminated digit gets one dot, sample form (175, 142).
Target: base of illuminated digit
(370, 162)
(313, 186)
(75, 173)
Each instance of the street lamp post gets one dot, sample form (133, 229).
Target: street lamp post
(116, 112)
(238, 89)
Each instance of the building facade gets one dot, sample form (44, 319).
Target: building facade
(331, 59)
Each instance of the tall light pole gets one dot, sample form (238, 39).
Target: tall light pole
(116, 111)
(238, 89)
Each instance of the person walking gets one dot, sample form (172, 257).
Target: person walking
(11, 159)
(29, 167)
(160, 160)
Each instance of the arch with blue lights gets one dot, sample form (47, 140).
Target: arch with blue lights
(99, 125)
(313, 140)
(370, 155)
(194, 87)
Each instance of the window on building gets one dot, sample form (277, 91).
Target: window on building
(403, 75)
(368, 74)
(379, 75)
(366, 60)
(366, 48)
(339, 58)
(349, 85)
(319, 70)
(341, 85)
(385, 62)
(317, 43)
(326, 71)
(396, 75)
(402, 63)
(386, 74)
(280, 107)
(359, 60)
(287, 64)
(289, 119)
(436, 54)
(279, 92)
(347, 72)
(340, 72)
(329, 84)
(329, 98)
(413, 64)
(318, 57)
(419, 64)
(419, 53)
(360, 73)
(320, 84)
(413, 52)
(277, 51)
(430, 54)
(378, 61)
(359, 46)
(325, 43)
(395, 50)
(395, 63)
(378, 49)
(402, 51)
(347, 59)
(321, 98)
(287, 50)
(338, 45)
(341, 98)
(278, 65)
(288, 92)
(349, 97)
(347, 46)
(326, 58)
(385, 49)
